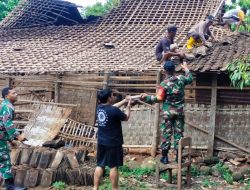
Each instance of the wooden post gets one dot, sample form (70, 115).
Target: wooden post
(156, 120)
(211, 130)
(57, 91)
(9, 81)
(105, 80)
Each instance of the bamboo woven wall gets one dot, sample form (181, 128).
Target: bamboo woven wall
(139, 129)
(232, 123)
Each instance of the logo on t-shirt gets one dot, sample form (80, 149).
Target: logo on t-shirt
(102, 118)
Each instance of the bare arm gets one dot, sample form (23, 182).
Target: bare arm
(169, 54)
(241, 23)
(121, 103)
(127, 112)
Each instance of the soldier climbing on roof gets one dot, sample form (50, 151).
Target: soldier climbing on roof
(171, 93)
(8, 133)
(200, 33)
(163, 51)
(235, 16)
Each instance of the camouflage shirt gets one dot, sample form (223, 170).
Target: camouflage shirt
(7, 129)
(171, 92)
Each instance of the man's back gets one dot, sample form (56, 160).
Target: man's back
(109, 125)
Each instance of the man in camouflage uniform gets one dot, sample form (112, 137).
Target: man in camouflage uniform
(7, 133)
(171, 93)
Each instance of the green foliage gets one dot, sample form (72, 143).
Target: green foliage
(244, 4)
(207, 183)
(137, 172)
(195, 171)
(225, 172)
(59, 185)
(125, 174)
(239, 72)
(100, 9)
(6, 6)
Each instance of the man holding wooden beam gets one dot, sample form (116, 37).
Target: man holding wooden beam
(110, 138)
(171, 93)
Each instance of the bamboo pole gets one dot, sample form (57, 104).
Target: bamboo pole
(220, 138)
(49, 103)
(156, 120)
(106, 80)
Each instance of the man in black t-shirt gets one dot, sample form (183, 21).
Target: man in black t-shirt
(110, 138)
(163, 51)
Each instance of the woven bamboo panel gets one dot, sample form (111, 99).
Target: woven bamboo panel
(78, 134)
(139, 129)
(84, 98)
(45, 124)
(232, 123)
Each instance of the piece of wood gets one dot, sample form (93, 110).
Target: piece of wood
(106, 81)
(47, 178)
(57, 159)
(241, 159)
(35, 158)
(156, 121)
(31, 178)
(234, 162)
(44, 160)
(15, 155)
(50, 103)
(210, 149)
(20, 175)
(139, 151)
(25, 156)
(72, 160)
(57, 92)
(220, 138)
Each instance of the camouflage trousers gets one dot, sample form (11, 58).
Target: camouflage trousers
(171, 125)
(5, 163)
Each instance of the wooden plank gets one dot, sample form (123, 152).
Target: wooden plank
(211, 131)
(156, 121)
(57, 92)
(106, 80)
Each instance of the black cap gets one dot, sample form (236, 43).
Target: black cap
(169, 66)
(171, 28)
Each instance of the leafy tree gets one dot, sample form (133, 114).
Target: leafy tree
(99, 9)
(244, 4)
(239, 72)
(6, 6)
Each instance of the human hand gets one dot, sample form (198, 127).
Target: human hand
(184, 66)
(14, 143)
(129, 103)
(143, 96)
(21, 137)
(182, 55)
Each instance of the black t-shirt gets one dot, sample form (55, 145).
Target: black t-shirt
(163, 46)
(109, 125)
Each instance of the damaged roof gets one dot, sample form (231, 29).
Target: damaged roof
(123, 40)
(221, 53)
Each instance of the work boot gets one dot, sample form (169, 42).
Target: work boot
(9, 185)
(164, 158)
